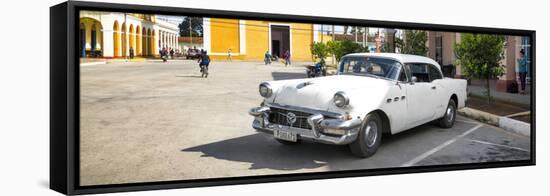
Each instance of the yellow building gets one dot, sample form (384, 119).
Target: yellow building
(115, 34)
(250, 39)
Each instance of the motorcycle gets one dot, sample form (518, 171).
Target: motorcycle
(317, 70)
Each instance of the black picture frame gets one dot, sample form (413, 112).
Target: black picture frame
(64, 97)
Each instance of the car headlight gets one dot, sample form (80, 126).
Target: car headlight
(265, 90)
(341, 99)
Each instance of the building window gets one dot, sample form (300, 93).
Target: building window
(439, 48)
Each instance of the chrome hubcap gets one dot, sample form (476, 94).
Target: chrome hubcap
(450, 114)
(371, 133)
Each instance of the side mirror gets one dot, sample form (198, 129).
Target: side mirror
(414, 79)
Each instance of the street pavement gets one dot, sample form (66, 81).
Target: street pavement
(154, 121)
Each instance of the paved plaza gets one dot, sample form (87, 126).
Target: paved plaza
(153, 121)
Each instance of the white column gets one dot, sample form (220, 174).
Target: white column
(108, 46)
(169, 40)
(207, 35)
(316, 30)
(156, 42)
(176, 41)
(242, 36)
(163, 39)
(173, 41)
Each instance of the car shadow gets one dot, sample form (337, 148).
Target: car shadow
(264, 152)
(287, 75)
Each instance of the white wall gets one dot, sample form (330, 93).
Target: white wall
(25, 98)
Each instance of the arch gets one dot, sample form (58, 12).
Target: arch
(82, 43)
(91, 37)
(124, 40)
(116, 40)
(138, 40)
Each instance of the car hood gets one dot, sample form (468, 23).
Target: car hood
(317, 93)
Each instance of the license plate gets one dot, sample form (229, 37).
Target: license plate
(284, 135)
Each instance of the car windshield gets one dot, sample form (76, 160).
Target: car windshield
(370, 66)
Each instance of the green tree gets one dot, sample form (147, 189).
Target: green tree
(341, 48)
(196, 27)
(480, 55)
(320, 51)
(414, 43)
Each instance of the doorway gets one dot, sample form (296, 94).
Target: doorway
(280, 39)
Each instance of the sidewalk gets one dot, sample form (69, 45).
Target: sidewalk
(477, 88)
(509, 111)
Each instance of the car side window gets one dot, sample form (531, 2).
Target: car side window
(403, 75)
(425, 72)
(420, 71)
(434, 73)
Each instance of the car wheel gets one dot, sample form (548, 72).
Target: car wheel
(448, 120)
(369, 138)
(284, 142)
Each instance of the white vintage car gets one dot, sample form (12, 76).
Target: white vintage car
(372, 94)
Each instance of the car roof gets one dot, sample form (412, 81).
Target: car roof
(402, 58)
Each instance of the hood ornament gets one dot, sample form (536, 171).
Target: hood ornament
(290, 118)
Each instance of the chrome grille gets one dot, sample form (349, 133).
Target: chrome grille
(279, 116)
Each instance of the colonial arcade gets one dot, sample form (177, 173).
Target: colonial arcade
(113, 34)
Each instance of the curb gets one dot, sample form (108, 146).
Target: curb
(505, 123)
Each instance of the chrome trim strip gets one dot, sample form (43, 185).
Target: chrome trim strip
(306, 110)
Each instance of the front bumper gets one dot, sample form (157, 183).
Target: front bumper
(324, 130)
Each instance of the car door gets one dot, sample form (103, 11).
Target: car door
(440, 100)
(396, 103)
(420, 95)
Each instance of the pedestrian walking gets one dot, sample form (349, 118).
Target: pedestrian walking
(287, 57)
(522, 69)
(267, 58)
(229, 55)
(171, 53)
(131, 52)
(163, 54)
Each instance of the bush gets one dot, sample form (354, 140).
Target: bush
(319, 51)
(341, 48)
